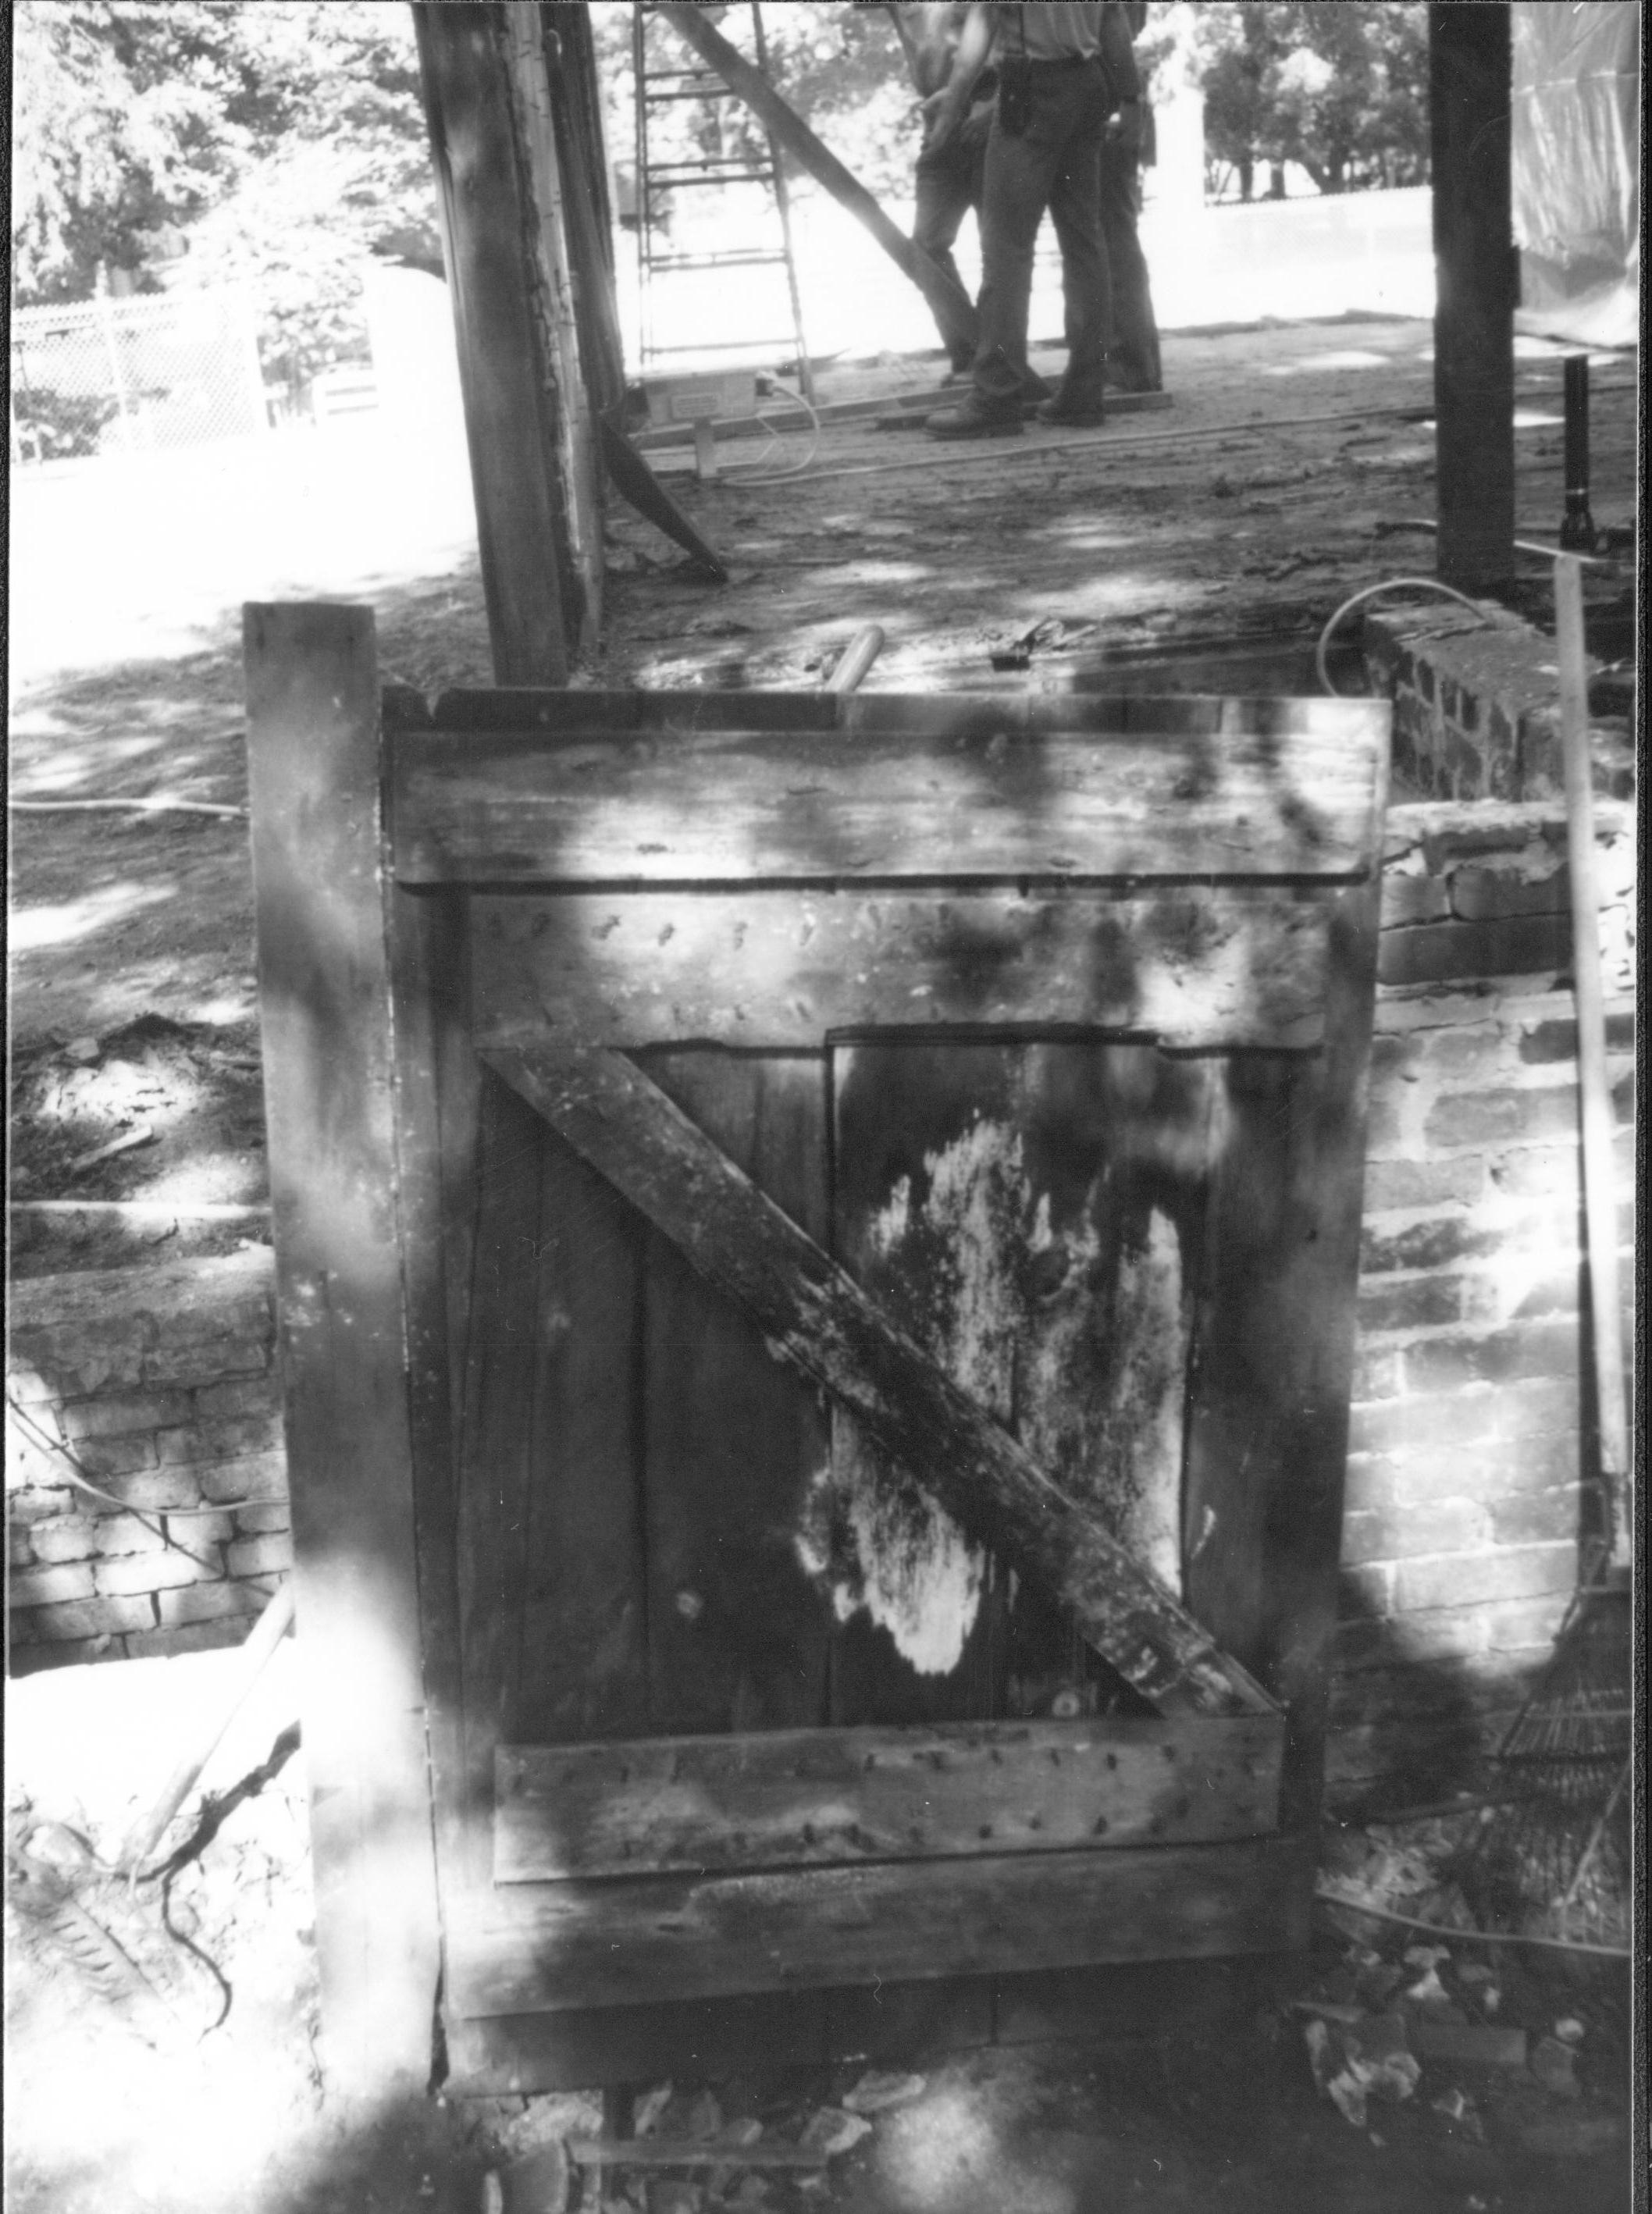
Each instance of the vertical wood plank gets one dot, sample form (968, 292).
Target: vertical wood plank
(1470, 82)
(1034, 1215)
(1268, 1434)
(437, 1100)
(580, 1666)
(509, 415)
(736, 1447)
(497, 1474)
(324, 1004)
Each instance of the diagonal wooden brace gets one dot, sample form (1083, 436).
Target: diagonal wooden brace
(814, 1317)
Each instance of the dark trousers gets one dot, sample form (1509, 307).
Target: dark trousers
(949, 184)
(1133, 340)
(1054, 163)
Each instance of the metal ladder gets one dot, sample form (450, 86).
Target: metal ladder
(657, 87)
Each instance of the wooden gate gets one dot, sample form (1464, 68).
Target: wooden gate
(816, 1240)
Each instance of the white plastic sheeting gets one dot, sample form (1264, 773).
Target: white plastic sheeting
(1576, 167)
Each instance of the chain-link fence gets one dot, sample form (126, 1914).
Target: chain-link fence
(142, 375)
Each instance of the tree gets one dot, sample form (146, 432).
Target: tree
(129, 118)
(1341, 91)
(275, 144)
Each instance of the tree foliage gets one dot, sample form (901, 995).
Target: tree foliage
(275, 143)
(1341, 91)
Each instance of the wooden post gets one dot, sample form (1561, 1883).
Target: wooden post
(1477, 277)
(521, 523)
(324, 1005)
(949, 302)
(547, 239)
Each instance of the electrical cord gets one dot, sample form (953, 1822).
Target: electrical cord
(757, 471)
(1469, 1936)
(1372, 592)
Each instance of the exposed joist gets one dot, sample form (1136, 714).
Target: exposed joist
(814, 1317)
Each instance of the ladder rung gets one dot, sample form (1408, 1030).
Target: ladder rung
(787, 339)
(752, 257)
(708, 173)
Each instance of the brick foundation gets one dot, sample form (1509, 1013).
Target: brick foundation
(1462, 1509)
(1463, 1512)
(1475, 697)
(161, 1384)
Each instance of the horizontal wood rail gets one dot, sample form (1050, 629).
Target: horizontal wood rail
(816, 1318)
(704, 1805)
(783, 969)
(946, 791)
(526, 1948)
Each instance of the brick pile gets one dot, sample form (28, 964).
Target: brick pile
(159, 1383)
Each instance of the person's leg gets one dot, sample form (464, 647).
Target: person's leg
(1075, 210)
(946, 186)
(1133, 339)
(1015, 188)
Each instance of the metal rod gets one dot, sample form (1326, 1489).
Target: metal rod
(1578, 531)
(1599, 1198)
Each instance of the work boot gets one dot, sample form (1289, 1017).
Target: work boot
(975, 418)
(1033, 386)
(1073, 409)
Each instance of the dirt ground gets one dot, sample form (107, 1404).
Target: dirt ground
(1294, 467)
(180, 2073)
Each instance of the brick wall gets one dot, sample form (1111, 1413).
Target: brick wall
(1462, 1518)
(1476, 710)
(159, 1383)
(1462, 1521)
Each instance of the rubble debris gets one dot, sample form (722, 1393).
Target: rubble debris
(876, 2093)
(1572, 2136)
(1469, 2045)
(1352, 2064)
(649, 2108)
(832, 2131)
(1554, 2065)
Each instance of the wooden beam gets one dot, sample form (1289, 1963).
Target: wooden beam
(1470, 77)
(534, 1948)
(511, 417)
(950, 303)
(591, 807)
(782, 970)
(324, 1005)
(559, 305)
(810, 1798)
(816, 1318)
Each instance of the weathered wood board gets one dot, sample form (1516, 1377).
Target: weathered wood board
(1193, 968)
(816, 1317)
(743, 808)
(530, 1947)
(834, 1136)
(806, 1798)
